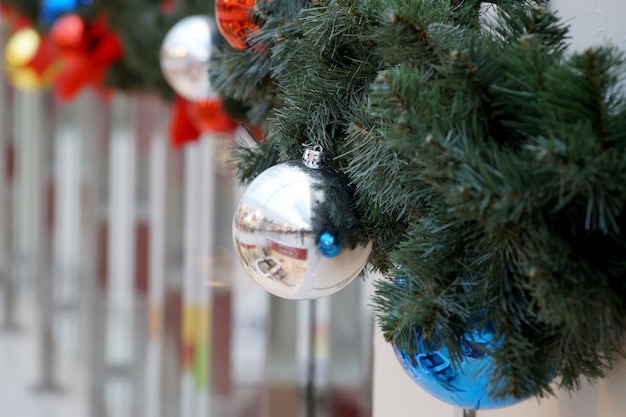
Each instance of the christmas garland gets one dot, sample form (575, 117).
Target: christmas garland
(488, 164)
(119, 49)
(141, 26)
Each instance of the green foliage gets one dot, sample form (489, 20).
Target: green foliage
(142, 26)
(487, 162)
(27, 8)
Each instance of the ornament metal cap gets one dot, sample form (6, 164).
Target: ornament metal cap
(313, 157)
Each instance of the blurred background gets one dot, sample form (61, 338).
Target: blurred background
(120, 292)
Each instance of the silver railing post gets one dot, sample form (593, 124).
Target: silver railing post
(145, 124)
(66, 229)
(6, 264)
(197, 301)
(157, 263)
(120, 295)
(93, 120)
(31, 208)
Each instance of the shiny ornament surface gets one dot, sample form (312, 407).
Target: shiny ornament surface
(276, 239)
(235, 22)
(186, 55)
(29, 60)
(22, 47)
(68, 32)
(465, 384)
(329, 245)
(52, 9)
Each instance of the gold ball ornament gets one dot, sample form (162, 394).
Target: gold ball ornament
(21, 49)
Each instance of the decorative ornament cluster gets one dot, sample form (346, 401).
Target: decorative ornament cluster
(29, 63)
(487, 163)
(185, 59)
(72, 45)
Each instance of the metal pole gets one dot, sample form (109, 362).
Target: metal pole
(30, 234)
(170, 401)
(41, 140)
(66, 235)
(121, 255)
(191, 215)
(310, 397)
(205, 274)
(366, 336)
(6, 272)
(469, 413)
(93, 123)
(143, 125)
(197, 301)
(157, 264)
(286, 377)
(307, 339)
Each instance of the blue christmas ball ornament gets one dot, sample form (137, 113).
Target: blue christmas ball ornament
(52, 9)
(463, 384)
(329, 245)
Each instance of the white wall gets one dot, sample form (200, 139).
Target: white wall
(592, 23)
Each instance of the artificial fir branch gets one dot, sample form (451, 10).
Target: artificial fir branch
(251, 161)
(30, 9)
(488, 170)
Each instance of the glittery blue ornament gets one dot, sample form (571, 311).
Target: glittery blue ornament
(329, 245)
(463, 384)
(52, 9)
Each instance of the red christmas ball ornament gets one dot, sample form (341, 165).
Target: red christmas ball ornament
(235, 22)
(87, 50)
(68, 32)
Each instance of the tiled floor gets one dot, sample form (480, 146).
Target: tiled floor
(20, 377)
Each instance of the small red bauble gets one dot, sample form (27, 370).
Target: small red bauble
(69, 32)
(235, 22)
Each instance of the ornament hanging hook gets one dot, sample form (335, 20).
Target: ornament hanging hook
(313, 157)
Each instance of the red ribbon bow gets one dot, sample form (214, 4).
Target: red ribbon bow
(190, 119)
(87, 51)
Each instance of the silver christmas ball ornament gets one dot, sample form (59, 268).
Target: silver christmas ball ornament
(186, 55)
(278, 240)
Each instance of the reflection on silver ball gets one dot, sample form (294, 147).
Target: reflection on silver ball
(186, 54)
(275, 238)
